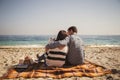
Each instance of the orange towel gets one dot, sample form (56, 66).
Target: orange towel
(87, 69)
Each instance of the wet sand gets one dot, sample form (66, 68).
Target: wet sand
(107, 56)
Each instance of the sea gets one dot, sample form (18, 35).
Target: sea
(42, 40)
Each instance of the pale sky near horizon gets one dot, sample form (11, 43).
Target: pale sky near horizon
(41, 17)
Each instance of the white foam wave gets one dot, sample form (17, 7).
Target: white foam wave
(23, 46)
(103, 45)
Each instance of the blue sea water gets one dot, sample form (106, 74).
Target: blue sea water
(11, 40)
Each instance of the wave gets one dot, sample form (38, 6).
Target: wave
(103, 45)
(22, 46)
(41, 46)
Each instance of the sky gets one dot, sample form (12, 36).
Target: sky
(46, 17)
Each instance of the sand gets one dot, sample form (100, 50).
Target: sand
(107, 56)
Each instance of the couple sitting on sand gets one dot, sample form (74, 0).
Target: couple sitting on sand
(66, 50)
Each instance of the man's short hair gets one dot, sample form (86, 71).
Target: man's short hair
(73, 28)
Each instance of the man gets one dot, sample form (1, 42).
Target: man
(75, 53)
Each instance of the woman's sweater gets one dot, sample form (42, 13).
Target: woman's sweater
(57, 56)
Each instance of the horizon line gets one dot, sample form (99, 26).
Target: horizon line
(55, 34)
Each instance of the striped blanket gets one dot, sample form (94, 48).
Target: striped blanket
(87, 69)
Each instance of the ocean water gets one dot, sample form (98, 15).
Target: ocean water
(11, 40)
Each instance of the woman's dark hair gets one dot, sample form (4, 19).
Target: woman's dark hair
(73, 28)
(61, 35)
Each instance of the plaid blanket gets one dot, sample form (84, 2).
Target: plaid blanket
(87, 69)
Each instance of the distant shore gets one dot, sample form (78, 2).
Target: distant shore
(105, 55)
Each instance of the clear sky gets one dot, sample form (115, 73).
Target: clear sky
(41, 17)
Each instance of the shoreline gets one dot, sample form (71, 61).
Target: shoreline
(102, 45)
(22, 46)
(42, 46)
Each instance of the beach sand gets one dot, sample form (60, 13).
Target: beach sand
(107, 56)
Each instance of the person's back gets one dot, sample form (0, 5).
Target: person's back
(57, 56)
(75, 52)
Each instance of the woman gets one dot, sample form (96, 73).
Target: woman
(57, 56)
